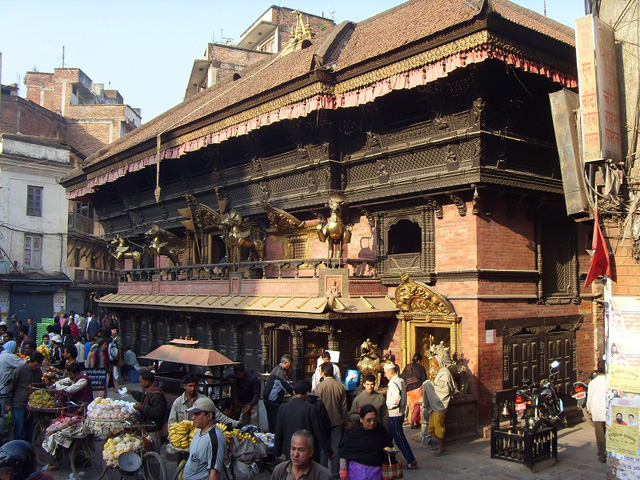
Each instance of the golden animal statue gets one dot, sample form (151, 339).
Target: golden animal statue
(370, 361)
(163, 242)
(237, 235)
(333, 230)
(119, 250)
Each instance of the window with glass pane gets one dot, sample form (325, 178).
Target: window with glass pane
(32, 251)
(34, 201)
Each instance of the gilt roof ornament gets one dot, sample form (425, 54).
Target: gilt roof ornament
(416, 297)
(301, 33)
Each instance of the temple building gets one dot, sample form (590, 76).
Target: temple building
(395, 180)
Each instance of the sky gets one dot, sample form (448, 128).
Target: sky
(145, 48)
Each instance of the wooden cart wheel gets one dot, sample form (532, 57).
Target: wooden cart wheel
(85, 462)
(153, 467)
(40, 424)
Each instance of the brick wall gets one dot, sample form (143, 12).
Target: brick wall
(22, 116)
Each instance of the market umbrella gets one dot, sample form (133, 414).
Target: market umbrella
(200, 357)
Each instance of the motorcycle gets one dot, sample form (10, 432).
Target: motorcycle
(533, 403)
(553, 406)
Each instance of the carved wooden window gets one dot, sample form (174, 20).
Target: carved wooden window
(298, 247)
(407, 243)
(405, 237)
(558, 262)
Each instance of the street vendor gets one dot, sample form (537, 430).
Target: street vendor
(247, 391)
(207, 449)
(76, 383)
(179, 409)
(21, 378)
(152, 405)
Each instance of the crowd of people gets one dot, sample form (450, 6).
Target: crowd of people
(315, 431)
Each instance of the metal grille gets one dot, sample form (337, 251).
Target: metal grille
(362, 172)
(417, 160)
(288, 183)
(298, 247)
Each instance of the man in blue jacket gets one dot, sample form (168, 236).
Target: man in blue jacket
(275, 388)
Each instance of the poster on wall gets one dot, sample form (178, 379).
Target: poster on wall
(622, 331)
(622, 433)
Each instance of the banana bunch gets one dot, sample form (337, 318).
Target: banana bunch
(181, 433)
(44, 350)
(235, 433)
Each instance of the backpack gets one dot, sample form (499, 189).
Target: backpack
(114, 352)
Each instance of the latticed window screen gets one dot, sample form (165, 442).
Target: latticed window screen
(298, 247)
(558, 269)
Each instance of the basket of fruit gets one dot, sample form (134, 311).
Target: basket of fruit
(63, 422)
(116, 446)
(43, 400)
(106, 417)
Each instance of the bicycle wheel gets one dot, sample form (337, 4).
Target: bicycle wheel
(39, 426)
(153, 467)
(180, 470)
(85, 461)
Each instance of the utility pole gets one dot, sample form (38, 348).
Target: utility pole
(63, 56)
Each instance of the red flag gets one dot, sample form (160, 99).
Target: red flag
(600, 264)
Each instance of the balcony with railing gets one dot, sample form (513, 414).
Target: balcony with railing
(273, 277)
(80, 223)
(83, 275)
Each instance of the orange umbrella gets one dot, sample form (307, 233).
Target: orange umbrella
(200, 357)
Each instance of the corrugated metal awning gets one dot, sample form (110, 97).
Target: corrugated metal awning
(317, 305)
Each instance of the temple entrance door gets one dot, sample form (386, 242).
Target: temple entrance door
(522, 360)
(560, 346)
(427, 336)
(284, 344)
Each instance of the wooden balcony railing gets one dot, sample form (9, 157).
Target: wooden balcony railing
(299, 268)
(94, 275)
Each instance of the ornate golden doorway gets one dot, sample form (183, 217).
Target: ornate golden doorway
(428, 318)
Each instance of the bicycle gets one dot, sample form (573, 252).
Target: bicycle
(152, 464)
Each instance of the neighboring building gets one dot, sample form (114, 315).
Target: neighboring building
(94, 117)
(434, 138)
(68, 109)
(33, 225)
(268, 35)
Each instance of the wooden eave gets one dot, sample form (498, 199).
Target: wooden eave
(149, 145)
(406, 51)
(559, 52)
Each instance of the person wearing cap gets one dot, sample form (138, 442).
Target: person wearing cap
(207, 449)
(301, 466)
(152, 405)
(277, 385)
(334, 397)
(56, 352)
(396, 404)
(181, 407)
(298, 414)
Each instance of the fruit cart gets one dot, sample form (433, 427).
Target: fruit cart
(45, 405)
(68, 434)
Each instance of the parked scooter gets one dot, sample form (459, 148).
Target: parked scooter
(580, 390)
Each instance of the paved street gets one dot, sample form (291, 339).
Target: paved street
(470, 460)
